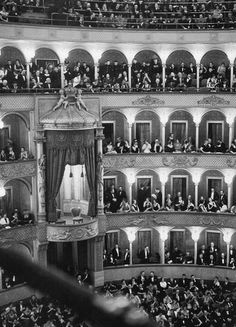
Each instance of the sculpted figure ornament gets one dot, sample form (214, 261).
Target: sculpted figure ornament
(70, 95)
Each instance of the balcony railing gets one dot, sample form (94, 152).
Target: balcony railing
(175, 160)
(170, 218)
(17, 169)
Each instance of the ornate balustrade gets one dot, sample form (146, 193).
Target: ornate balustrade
(17, 169)
(26, 233)
(72, 233)
(170, 218)
(176, 160)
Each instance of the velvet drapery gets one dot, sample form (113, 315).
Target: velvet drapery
(73, 148)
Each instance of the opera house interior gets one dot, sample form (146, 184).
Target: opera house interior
(118, 154)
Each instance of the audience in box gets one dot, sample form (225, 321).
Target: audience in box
(116, 201)
(16, 219)
(11, 153)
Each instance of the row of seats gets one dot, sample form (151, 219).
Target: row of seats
(125, 14)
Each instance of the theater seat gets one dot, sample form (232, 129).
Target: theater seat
(76, 213)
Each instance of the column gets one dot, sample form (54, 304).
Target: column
(163, 191)
(0, 279)
(95, 71)
(231, 76)
(95, 259)
(198, 79)
(130, 133)
(100, 203)
(130, 193)
(229, 194)
(196, 194)
(162, 250)
(130, 232)
(163, 76)
(28, 74)
(227, 253)
(195, 233)
(130, 75)
(62, 74)
(41, 171)
(197, 136)
(163, 135)
(75, 255)
(163, 236)
(231, 133)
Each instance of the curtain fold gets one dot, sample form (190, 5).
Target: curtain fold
(74, 148)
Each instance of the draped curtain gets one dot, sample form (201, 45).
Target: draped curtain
(179, 130)
(215, 132)
(143, 132)
(177, 238)
(179, 185)
(4, 136)
(144, 239)
(73, 148)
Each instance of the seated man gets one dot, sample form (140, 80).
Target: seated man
(177, 256)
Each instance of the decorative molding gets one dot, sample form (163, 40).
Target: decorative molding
(121, 161)
(148, 100)
(17, 169)
(137, 221)
(231, 162)
(180, 161)
(71, 233)
(213, 101)
(216, 221)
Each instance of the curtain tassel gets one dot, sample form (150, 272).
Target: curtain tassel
(82, 172)
(71, 174)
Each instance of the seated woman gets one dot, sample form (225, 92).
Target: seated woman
(155, 205)
(11, 154)
(146, 148)
(212, 83)
(156, 146)
(124, 206)
(147, 205)
(3, 155)
(109, 148)
(190, 204)
(202, 207)
(168, 203)
(4, 221)
(188, 146)
(135, 147)
(211, 206)
(126, 148)
(170, 147)
(134, 207)
(178, 146)
(232, 148)
(23, 154)
(220, 147)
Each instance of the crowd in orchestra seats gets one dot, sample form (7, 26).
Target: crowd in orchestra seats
(146, 76)
(115, 200)
(39, 312)
(173, 145)
(177, 302)
(140, 14)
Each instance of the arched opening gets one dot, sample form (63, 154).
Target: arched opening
(115, 125)
(146, 71)
(214, 65)
(181, 125)
(113, 71)
(80, 63)
(18, 196)
(213, 125)
(146, 127)
(14, 136)
(9, 55)
(46, 58)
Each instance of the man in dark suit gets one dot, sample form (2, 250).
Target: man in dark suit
(121, 194)
(223, 201)
(152, 279)
(145, 255)
(158, 194)
(141, 197)
(183, 282)
(126, 257)
(212, 253)
(214, 195)
(116, 253)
